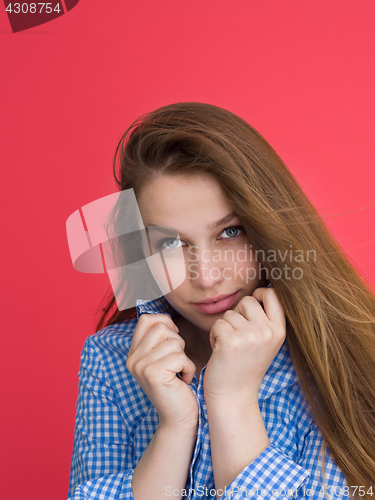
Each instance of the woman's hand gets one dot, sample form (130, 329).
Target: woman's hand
(244, 343)
(156, 355)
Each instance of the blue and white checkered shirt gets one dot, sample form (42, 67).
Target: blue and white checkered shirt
(116, 421)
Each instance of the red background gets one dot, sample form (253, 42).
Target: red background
(301, 72)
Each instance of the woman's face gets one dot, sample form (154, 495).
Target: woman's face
(218, 256)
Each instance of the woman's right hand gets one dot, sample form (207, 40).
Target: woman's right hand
(156, 355)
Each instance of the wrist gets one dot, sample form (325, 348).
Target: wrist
(233, 410)
(177, 430)
(233, 400)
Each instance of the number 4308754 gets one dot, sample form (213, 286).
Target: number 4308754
(33, 8)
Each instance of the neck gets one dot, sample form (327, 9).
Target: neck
(197, 341)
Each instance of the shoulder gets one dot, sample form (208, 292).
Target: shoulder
(103, 371)
(104, 353)
(115, 338)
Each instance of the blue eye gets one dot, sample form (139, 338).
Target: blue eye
(170, 244)
(232, 232)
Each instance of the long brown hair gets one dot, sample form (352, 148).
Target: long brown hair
(330, 308)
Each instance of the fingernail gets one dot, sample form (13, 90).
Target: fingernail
(177, 330)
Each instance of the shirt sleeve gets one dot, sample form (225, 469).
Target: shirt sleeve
(274, 475)
(101, 464)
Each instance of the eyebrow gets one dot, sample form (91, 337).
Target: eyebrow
(224, 220)
(214, 225)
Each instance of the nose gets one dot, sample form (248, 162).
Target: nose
(203, 270)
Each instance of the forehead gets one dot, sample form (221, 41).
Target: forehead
(179, 201)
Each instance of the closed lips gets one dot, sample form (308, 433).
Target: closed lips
(215, 299)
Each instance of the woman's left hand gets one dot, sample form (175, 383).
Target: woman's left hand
(244, 343)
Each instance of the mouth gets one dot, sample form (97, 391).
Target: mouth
(217, 304)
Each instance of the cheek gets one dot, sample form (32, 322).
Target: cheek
(176, 300)
(178, 295)
(251, 259)
(244, 267)
(168, 271)
(242, 254)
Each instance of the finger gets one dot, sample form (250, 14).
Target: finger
(145, 323)
(169, 346)
(177, 363)
(250, 308)
(272, 305)
(157, 334)
(235, 319)
(220, 329)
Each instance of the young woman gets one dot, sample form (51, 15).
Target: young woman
(226, 387)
